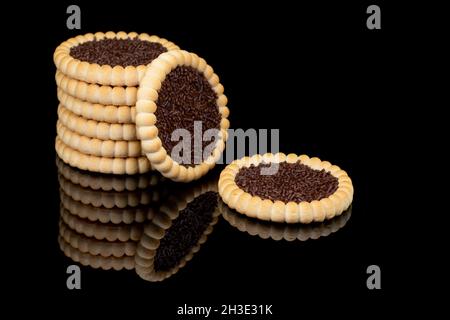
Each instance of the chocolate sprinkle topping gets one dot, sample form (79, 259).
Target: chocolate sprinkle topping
(293, 182)
(185, 231)
(186, 96)
(118, 52)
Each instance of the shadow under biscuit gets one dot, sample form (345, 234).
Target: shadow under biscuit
(184, 221)
(281, 231)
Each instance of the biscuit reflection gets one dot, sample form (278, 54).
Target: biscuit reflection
(280, 231)
(141, 222)
(102, 216)
(176, 233)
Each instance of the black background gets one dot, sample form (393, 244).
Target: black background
(315, 72)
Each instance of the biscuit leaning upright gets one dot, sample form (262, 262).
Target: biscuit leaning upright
(179, 96)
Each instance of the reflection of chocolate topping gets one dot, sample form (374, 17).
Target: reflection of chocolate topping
(293, 182)
(186, 231)
(118, 52)
(186, 96)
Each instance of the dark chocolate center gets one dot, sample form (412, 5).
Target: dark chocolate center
(293, 182)
(186, 97)
(185, 231)
(118, 52)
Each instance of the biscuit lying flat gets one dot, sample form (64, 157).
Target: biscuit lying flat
(96, 129)
(284, 188)
(97, 147)
(179, 92)
(95, 93)
(111, 59)
(99, 112)
(101, 164)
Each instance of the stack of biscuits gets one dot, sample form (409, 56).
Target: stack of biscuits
(97, 78)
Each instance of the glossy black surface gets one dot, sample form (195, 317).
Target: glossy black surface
(313, 71)
(153, 226)
(233, 252)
